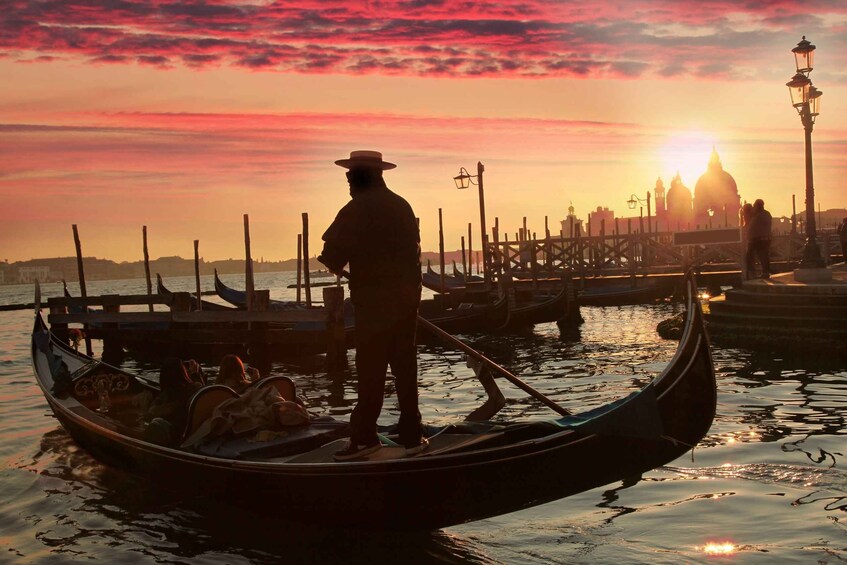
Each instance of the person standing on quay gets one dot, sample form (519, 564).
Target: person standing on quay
(377, 234)
(759, 239)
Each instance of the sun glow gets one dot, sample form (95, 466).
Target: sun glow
(718, 548)
(688, 154)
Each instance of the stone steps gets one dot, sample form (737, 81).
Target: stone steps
(778, 298)
(782, 316)
(734, 306)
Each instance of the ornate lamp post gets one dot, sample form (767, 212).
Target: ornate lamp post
(634, 201)
(711, 212)
(806, 100)
(465, 180)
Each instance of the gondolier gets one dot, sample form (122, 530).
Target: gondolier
(377, 235)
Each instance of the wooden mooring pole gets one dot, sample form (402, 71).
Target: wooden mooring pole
(248, 264)
(470, 253)
(441, 248)
(197, 273)
(464, 258)
(147, 265)
(299, 264)
(82, 291)
(306, 275)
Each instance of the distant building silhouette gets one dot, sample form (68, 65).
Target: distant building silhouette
(572, 223)
(678, 212)
(596, 218)
(716, 190)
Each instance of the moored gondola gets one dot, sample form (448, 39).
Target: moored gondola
(196, 303)
(469, 472)
(621, 295)
(238, 298)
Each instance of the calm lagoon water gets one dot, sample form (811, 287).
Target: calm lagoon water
(767, 485)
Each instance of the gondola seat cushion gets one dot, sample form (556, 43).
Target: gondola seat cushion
(203, 405)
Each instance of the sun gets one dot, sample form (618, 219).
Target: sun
(687, 153)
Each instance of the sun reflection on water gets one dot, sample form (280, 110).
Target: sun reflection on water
(719, 548)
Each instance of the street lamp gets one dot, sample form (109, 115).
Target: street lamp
(634, 201)
(464, 180)
(806, 100)
(711, 212)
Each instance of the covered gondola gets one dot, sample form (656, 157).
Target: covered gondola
(469, 472)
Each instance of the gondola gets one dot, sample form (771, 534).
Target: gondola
(621, 295)
(433, 280)
(238, 298)
(465, 277)
(468, 317)
(469, 472)
(196, 304)
(539, 310)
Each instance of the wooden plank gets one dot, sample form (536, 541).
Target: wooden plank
(198, 317)
(707, 237)
(113, 300)
(288, 316)
(109, 317)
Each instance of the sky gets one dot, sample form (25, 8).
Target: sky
(184, 116)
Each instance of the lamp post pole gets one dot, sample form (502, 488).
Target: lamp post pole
(806, 100)
(464, 180)
(811, 253)
(486, 269)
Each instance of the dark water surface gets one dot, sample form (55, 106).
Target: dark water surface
(767, 484)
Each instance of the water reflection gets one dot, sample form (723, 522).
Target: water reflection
(97, 506)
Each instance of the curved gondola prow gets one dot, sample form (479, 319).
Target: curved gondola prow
(694, 332)
(161, 289)
(689, 378)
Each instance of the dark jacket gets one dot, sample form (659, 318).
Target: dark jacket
(760, 225)
(376, 233)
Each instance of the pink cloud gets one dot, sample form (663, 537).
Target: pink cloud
(531, 38)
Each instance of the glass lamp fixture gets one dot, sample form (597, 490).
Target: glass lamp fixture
(804, 56)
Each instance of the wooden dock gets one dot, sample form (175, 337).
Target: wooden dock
(174, 324)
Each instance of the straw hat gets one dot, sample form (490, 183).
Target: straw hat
(365, 159)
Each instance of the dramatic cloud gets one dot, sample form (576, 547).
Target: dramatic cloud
(531, 38)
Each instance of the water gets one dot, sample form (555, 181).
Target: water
(766, 485)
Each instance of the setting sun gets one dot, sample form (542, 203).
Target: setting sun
(688, 154)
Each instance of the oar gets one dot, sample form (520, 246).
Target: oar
(426, 324)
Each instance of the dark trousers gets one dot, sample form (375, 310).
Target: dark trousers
(759, 249)
(385, 336)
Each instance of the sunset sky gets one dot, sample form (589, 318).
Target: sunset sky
(183, 116)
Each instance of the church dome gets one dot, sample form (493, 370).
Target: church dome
(716, 190)
(679, 195)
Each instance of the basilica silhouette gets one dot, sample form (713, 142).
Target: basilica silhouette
(715, 202)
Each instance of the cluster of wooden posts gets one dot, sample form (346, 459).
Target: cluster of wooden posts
(184, 321)
(616, 252)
